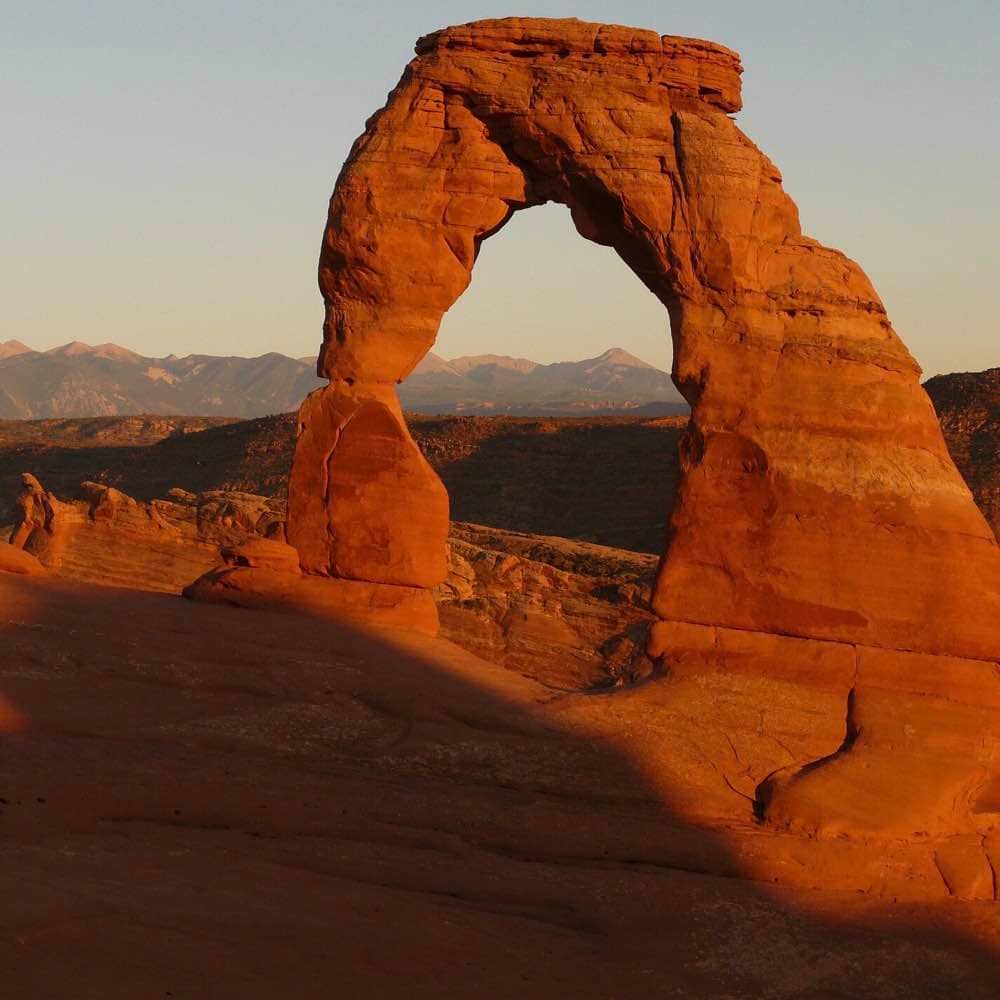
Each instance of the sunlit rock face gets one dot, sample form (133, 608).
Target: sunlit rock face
(818, 504)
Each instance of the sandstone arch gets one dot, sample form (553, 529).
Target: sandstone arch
(819, 503)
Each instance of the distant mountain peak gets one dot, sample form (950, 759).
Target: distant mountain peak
(470, 362)
(614, 381)
(619, 356)
(73, 349)
(77, 348)
(78, 379)
(12, 348)
(431, 364)
(116, 352)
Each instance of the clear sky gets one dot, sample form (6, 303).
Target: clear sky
(166, 168)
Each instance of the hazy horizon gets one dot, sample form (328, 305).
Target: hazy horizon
(169, 169)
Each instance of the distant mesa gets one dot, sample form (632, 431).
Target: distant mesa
(79, 380)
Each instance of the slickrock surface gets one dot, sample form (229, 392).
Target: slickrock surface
(820, 518)
(202, 801)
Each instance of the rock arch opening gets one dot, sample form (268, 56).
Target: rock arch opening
(538, 291)
(552, 327)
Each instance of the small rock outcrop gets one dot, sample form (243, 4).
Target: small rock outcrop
(38, 522)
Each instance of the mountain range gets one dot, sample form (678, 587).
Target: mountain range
(77, 379)
(107, 380)
(616, 381)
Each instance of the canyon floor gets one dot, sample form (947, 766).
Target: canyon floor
(203, 802)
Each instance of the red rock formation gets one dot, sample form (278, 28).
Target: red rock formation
(819, 502)
(37, 523)
(367, 507)
(109, 538)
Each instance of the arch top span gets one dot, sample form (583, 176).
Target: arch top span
(699, 68)
(630, 130)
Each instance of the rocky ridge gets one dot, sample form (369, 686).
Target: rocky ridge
(551, 476)
(572, 615)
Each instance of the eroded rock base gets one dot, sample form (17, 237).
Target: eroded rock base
(833, 739)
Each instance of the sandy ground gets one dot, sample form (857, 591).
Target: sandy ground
(203, 802)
